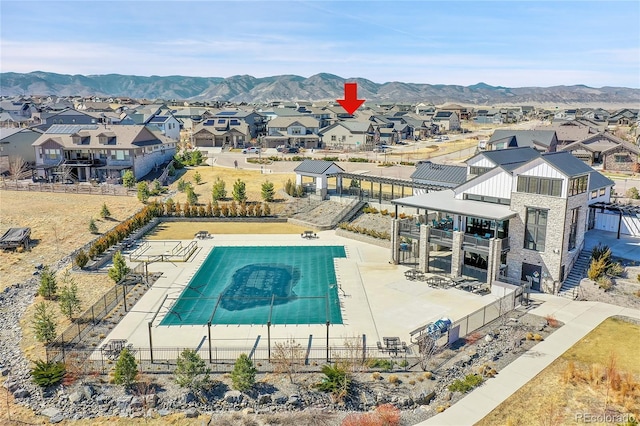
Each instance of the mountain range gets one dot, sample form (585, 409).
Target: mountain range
(246, 88)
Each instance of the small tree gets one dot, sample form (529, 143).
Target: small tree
(119, 270)
(182, 185)
(243, 376)
(93, 228)
(44, 325)
(143, 192)
(266, 210)
(126, 369)
(69, 300)
(268, 191)
(299, 191)
(218, 192)
(104, 212)
(48, 285)
(17, 166)
(192, 197)
(633, 193)
(239, 190)
(128, 179)
(191, 371)
(197, 178)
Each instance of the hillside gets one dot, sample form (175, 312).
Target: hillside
(246, 88)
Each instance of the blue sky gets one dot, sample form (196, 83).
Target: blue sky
(514, 43)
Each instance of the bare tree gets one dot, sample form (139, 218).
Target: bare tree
(427, 349)
(17, 166)
(287, 358)
(351, 357)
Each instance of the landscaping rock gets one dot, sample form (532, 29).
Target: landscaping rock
(123, 402)
(102, 399)
(293, 400)
(76, 397)
(50, 412)
(264, 399)
(88, 391)
(424, 398)
(191, 413)
(233, 397)
(163, 412)
(21, 393)
(56, 419)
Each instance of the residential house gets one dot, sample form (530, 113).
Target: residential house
(569, 131)
(44, 120)
(447, 121)
(623, 117)
(16, 112)
(17, 142)
(540, 140)
(294, 131)
(87, 152)
(348, 135)
(462, 112)
(487, 116)
(521, 221)
(606, 150)
(157, 115)
(220, 132)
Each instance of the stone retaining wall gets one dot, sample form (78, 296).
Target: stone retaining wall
(364, 238)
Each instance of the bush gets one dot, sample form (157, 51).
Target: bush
(126, 369)
(394, 380)
(119, 270)
(243, 376)
(383, 364)
(336, 381)
(143, 192)
(197, 178)
(633, 193)
(604, 282)
(46, 373)
(597, 268)
(358, 160)
(464, 386)
(191, 371)
(601, 251)
(128, 179)
(81, 259)
(239, 190)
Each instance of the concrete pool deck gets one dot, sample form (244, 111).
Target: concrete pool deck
(376, 299)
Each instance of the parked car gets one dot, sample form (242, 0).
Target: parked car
(292, 150)
(251, 150)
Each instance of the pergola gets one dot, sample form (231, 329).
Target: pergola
(621, 209)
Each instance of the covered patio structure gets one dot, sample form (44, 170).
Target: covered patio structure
(473, 233)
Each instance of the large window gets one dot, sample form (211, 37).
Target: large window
(535, 229)
(538, 185)
(573, 232)
(578, 185)
(476, 170)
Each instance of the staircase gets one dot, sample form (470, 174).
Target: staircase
(578, 272)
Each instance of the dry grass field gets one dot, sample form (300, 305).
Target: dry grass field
(59, 223)
(598, 374)
(253, 180)
(186, 230)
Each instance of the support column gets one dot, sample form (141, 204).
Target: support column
(493, 261)
(457, 254)
(423, 248)
(395, 241)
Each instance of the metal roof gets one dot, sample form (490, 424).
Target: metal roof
(440, 174)
(510, 158)
(445, 201)
(597, 180)
(567, 163)
(525, 138)
(316, 167)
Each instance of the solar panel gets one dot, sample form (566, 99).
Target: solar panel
(227, 113)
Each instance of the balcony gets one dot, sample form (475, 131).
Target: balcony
(440, 237)
(474, 242)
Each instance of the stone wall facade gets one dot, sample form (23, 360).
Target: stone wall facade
(551, 258)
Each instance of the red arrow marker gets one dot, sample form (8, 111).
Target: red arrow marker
(350, 103)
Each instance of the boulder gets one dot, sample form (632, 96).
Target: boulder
(56, 419)
(264, 398)
(424, 398)
(163, 412)
(76, 397)
(135, 402)
(102, 399)
(293, 400)
(123, 402)
(50, 412)
(191, 413)
(21, 393)
(280, 398)
(233, 397)
(88, 391)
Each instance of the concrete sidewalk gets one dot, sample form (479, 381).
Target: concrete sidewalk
(579, 318)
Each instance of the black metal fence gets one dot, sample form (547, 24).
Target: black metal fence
(69, 188)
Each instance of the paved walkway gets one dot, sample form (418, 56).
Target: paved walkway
(579, 319)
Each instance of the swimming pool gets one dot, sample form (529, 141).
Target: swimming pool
(254, 285)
